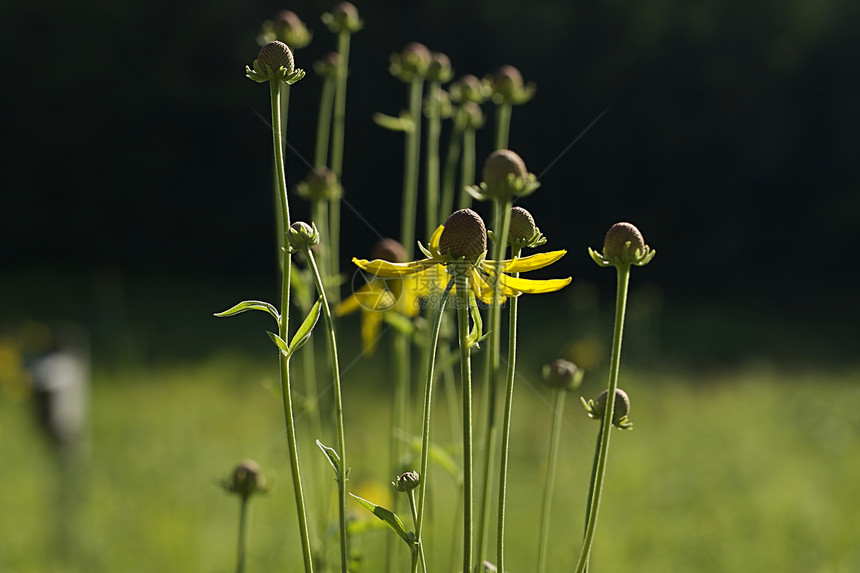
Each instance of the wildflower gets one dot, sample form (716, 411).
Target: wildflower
(461, 246)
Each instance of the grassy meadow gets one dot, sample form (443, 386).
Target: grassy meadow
(744, 468)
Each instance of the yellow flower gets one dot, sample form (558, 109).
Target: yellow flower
(479, 273)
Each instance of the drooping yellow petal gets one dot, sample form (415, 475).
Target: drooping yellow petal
(483, 289)
(531, 286)
(388, 269)
(525, 264)
(434, 238)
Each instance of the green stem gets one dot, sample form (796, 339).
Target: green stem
(337, 142)
(283, 327)
(324, 123)
(420, 550)
(501, 221)
(466, 383)
(603, 444)
(467, 172)
(503, 125)
(410, 174)
(244, 518)
(341, 434)
(455, 145)
(428, 400)
(549, 486)
(434, 127)
(506, 422)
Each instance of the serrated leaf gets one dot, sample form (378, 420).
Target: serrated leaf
(303, 334)
(332, 456)
(247, 305)
(279, 342)
(389, 517)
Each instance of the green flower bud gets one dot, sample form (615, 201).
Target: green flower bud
(326, 67)
(439, 69)
(277, 55)
(470, 89)
(562, 375)
(413, 62)
(505, 177)
(474, 115)
(343, 18)
(247, 479)
(620, 411)
(464, 237)
(623, 245)
(290, 29)
(407, 481)
(301, 236)
(508, 86)
(389, 250)
(320, 184)
(275, 62)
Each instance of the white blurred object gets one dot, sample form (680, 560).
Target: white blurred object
(61, 384)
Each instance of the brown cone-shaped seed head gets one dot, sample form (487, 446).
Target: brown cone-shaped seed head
(507, 80)
(407, 481)
(248, 478)
(561, 374)
(522, 225)
(621, 408)
(618, 234)
(502, 163)
(389, 250)
(464, 236)
(276, 55)
(287, 20)
(345, 11)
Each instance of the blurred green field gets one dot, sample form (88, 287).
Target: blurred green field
(752, 469)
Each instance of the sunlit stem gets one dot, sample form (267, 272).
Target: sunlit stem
(428, 402)
(549, 485)
(341, 435)
(283, 326)
(503, 125)
(410, 174)
(467, 169)
(501, 220)
(510, 377)
(417, 554)
(606, 427)
(244, 519)
(319, 209)
(449, 172)
(434, 127)
(337, 143)
(461, 280)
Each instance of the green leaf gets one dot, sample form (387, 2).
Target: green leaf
(279, 342)
(246, 305)
(303, 334)
(388, 517)
(332, 456)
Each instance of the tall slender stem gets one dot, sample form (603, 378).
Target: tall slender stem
(603, 445)
(428, 402)
(337, 144)
(434, 126)
(449, 172)
(466, 383)
(501, 222)
(244, 518)
(549, 486)
(341, 434)
(410, 175)
(503, 125)
(283, 327)
(420, 550)
(467, 171)
(506, 422)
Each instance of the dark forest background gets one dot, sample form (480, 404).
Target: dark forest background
(132, 141)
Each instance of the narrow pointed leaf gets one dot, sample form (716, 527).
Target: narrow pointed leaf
(280, 343)
(303, 334)
(389, 517)
(246, 305)
(332, 456)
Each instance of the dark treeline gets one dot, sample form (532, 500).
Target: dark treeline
(132, 139)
